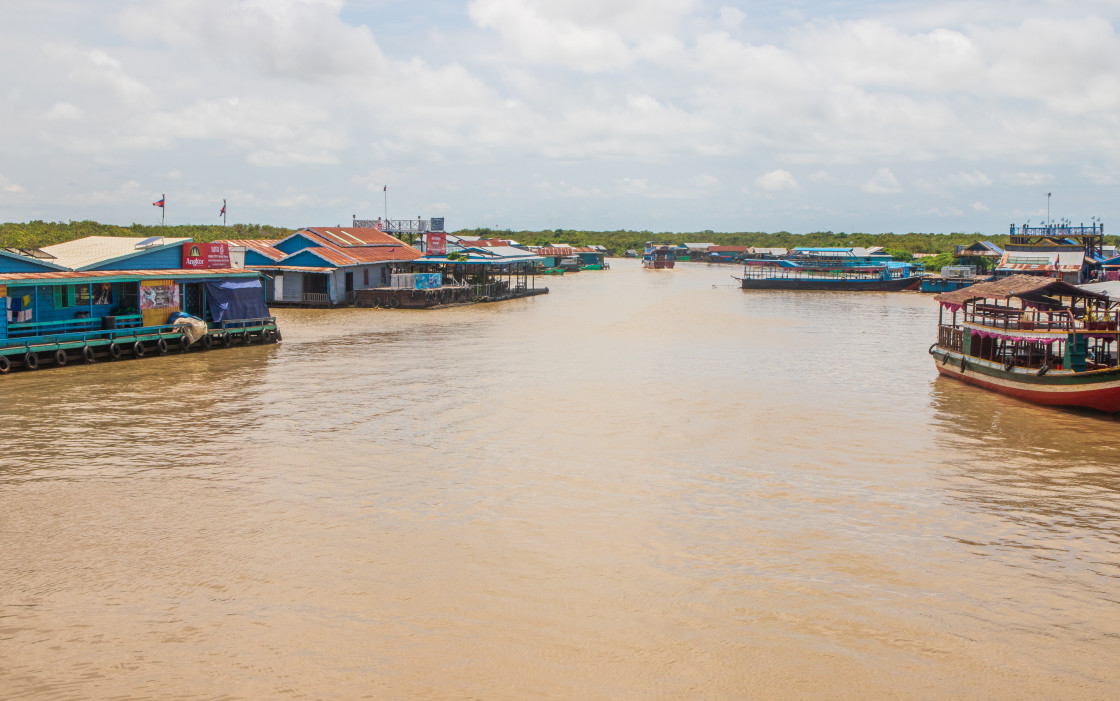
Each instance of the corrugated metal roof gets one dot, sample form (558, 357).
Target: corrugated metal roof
(728, 249)
(562, 250)
(290, 268)
(1015, 286)
(263, 246)
(353, 246)
(1066, 261)
(94, 250)
(75, 276)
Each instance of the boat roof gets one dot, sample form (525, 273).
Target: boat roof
(1023, 286)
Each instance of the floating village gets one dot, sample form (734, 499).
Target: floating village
(1035, 320)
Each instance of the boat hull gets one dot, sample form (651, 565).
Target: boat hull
(1097, 389)
(837, 285)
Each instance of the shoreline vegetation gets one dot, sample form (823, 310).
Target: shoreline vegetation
(36, 234)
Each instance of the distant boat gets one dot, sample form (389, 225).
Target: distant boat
(659, 256)
(1035, 338)
(952, 277)
(830, 269)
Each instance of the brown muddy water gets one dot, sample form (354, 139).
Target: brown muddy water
(645, 485)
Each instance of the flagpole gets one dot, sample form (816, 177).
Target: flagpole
(223, 213)
(385, 192)
(163, 210)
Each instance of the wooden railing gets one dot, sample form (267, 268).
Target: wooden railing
(949, 337)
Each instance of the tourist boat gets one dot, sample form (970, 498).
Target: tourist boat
(1035, 338)
(659, 256)
(830, 269)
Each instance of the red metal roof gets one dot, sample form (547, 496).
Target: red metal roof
(565, 250)
(262, 246)
(351, 246)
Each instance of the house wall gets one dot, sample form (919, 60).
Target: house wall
(307, 259)
(253, 257)
(20, 265)
(42, 302)
(296, 243)
(162, 259)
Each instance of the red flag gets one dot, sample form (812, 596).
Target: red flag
(221, 213)
(384, 188)
(158, 203)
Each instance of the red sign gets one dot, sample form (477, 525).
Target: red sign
(437, 244)
(206, 255)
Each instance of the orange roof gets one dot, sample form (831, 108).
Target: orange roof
(262, 246)
(354, 245)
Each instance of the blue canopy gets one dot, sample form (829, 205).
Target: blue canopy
(231, 300)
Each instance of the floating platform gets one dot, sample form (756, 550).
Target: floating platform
(109, 345)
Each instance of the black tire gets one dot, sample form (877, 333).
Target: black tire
(207, 341)
(114, 351)
(278, 336)
(60, 357)
(246, 338)
(31, 360)
(161, 344)
(138, 349)
(5, 365)
(88, 355)
(931, 348)
(227, 339)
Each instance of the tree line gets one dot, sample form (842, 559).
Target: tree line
(36, 234)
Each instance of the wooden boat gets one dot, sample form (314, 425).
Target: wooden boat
(659, 256)
(1035, 338)
(781, 274)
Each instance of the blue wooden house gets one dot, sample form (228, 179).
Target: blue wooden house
(109, 297)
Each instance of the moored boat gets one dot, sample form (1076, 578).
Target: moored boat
(829, 269)
(659, 256)
(1035, 338)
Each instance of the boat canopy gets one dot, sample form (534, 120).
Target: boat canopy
(772, 262)
(1028, 287)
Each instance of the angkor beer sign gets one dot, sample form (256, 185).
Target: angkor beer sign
(205, 255)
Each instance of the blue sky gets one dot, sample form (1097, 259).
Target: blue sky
(669, 115)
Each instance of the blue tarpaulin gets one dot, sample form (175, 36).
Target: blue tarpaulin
(230, 300)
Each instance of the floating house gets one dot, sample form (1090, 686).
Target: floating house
(326, 266)
(1060, 251)
(486, 273)
(112, 297)
(728, 254)
(586, 257)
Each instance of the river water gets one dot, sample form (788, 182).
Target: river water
(642, 485)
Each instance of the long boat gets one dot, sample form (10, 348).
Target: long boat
(1035, 338)
(782, 274)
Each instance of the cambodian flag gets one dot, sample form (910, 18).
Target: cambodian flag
(159, 202)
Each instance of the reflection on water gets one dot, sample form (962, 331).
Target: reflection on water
(645, 484)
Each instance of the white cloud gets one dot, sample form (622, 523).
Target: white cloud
(883, 182)
(979, 207)
(777, 181)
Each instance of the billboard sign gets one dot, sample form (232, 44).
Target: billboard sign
(437, 244)
(205, 255)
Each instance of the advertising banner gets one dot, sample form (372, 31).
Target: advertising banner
(437, 244)
(205, 255)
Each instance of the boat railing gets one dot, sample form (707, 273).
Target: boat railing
(31, 329)
(85, 337)
(1017, 320)
(950, 337)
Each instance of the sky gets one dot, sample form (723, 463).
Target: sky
(660, 115)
